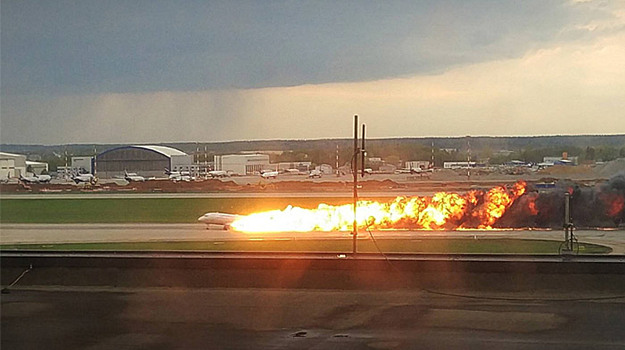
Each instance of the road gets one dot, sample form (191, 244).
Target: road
(94, 233)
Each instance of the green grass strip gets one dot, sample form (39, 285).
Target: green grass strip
(141, 210)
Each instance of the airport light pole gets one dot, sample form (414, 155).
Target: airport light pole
(337, 161)
(355, 173)
(468, 158)
(357, 152)
(569, 227)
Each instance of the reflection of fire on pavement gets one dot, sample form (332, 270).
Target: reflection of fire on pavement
(499, 207)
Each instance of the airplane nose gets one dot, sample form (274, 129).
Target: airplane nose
(201, 218)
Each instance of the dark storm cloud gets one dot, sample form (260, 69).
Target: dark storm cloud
(69, 47)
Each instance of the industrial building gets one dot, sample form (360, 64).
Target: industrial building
(78, 165)
(242, 164)
(82, 165)
(417, 164)
(459, 165)
(12, 165)
(36, 167)
(144, 160)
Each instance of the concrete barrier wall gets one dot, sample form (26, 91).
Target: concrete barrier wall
(316, 271)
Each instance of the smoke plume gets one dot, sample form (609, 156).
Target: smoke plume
(599, 206)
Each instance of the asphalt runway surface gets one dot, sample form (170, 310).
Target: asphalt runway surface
(65, 317)
(94, 233)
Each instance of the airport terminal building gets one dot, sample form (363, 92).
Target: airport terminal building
(144, 160)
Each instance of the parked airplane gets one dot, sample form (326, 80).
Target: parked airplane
(222, 219)
(269, 174)
(130, 177)
(29, 179)
(180, 176)
(421, 172)
(84, 178)
(174, 175)
(218, 173)
(36, 179)
(43, 178)
(315, 173)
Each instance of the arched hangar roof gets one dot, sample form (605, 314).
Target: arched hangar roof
(164, 150)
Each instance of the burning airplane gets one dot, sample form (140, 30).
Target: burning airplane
(501, 207)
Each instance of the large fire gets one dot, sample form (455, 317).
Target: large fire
(442, 211)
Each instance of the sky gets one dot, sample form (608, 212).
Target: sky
(162, 71)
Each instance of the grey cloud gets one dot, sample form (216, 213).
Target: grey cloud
(69, 47)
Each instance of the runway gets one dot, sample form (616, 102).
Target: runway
(98, 233)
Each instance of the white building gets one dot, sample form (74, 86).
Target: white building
(12, 165)
(184, 162)
(458, 165)
(82, 165)
(36, 167)
(417, 164)
(242, 164)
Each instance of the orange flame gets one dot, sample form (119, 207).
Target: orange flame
(476, 209)
(614, 203)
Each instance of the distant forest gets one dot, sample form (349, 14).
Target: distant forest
(493, 150)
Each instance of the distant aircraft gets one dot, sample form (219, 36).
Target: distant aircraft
(180, 176)
(130, 177)
(42, 179)
(29, 179)
(218, 173)
(174, 175)
(222, 219)
(421, 172)
(269, 174)
(315, 173)
(84, 178)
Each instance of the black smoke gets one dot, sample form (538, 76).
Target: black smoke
(591, 207)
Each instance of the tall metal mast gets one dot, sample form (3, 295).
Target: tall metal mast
(358, 153)
(355, 173)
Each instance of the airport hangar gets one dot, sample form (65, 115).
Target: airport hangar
(145, 160)
(12, 165)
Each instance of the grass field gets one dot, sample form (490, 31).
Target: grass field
(141, 210)
(443, 246)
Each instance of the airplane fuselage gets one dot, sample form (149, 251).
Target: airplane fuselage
(221, 219)
(36, 179)
(83, 178)
(269, 174)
